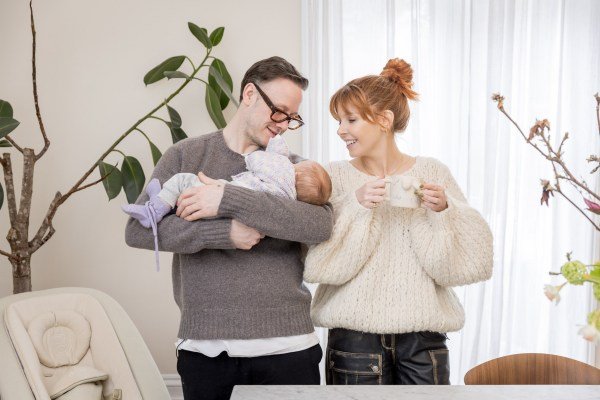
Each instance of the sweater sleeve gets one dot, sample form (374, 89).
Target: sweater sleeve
(175, 234)
(356, 232)
(276, 216)
(454, 246)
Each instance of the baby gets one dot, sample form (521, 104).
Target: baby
(268, 171)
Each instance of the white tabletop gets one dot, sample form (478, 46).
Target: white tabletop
(524, 392)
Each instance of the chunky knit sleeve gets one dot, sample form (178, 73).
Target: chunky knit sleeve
(356, 232)
(454, 246)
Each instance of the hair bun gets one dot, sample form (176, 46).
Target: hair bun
(401, 73)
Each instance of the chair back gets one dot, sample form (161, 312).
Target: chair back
(533, 369)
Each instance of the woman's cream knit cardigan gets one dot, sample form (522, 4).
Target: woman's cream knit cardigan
(390, 270)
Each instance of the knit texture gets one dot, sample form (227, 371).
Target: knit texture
(390, 270)
(222, 292)
(270, 170)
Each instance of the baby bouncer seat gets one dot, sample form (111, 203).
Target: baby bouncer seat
(73, 344)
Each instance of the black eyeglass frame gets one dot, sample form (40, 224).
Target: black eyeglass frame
(275, 110)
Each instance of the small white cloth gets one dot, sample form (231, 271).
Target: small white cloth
(250, 347)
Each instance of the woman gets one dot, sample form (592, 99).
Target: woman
(386, 273)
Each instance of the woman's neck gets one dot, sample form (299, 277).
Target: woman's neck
(388, 161)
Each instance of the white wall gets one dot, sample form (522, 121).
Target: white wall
(92, 57)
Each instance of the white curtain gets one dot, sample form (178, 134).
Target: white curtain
(544, 57)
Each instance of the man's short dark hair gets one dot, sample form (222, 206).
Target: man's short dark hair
(270, 69)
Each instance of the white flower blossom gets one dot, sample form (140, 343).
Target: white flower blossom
(552, 293)
(590, 333)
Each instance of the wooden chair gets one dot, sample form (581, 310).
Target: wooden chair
(533, 369)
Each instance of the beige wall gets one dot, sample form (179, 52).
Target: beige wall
(92, 56)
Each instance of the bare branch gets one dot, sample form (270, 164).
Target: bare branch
(10, 188)
(46, 226)
(579, 209)
(556, 158)
(76, 186)
(35, 244)
(559, 190)
(552, 155)
(93, 183)
(35, 92)
(14, 144)
(501, 108)
(22, 224)
(4, 253)
(595, 159)
(46, 230)
(562, 142)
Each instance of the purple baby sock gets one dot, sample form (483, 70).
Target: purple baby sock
(150, 213)
(153, 211)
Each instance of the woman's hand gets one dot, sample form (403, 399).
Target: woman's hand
(434, 197)
(371, 194)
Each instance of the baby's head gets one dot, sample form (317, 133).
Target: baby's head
(313, 184)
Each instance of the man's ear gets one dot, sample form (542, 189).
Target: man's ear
(386, 120)
(248, 94)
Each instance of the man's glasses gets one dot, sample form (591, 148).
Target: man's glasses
(277, 115)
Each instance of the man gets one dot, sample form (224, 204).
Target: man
(237, 269)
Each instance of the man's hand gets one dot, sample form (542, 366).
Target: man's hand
(200, 202)
(244, 237)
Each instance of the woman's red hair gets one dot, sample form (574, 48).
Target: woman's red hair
(372, 95)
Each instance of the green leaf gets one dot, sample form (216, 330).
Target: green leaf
(214, 73)
(7, 125)
(201, 34)
(156, 154)
(1, 196)
(175, 74)
(157, 73)
(6, 110)
(177, 134)
(219, 66)
(133, 178)
(596, 291)
(113, 181)
(217, 35)
(175, 117)
(214, 108)
(5, 143)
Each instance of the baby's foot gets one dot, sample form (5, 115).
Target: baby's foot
(154, 209)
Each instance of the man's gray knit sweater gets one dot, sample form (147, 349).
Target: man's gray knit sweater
(223, 292)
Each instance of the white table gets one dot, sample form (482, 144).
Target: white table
(508, 392)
